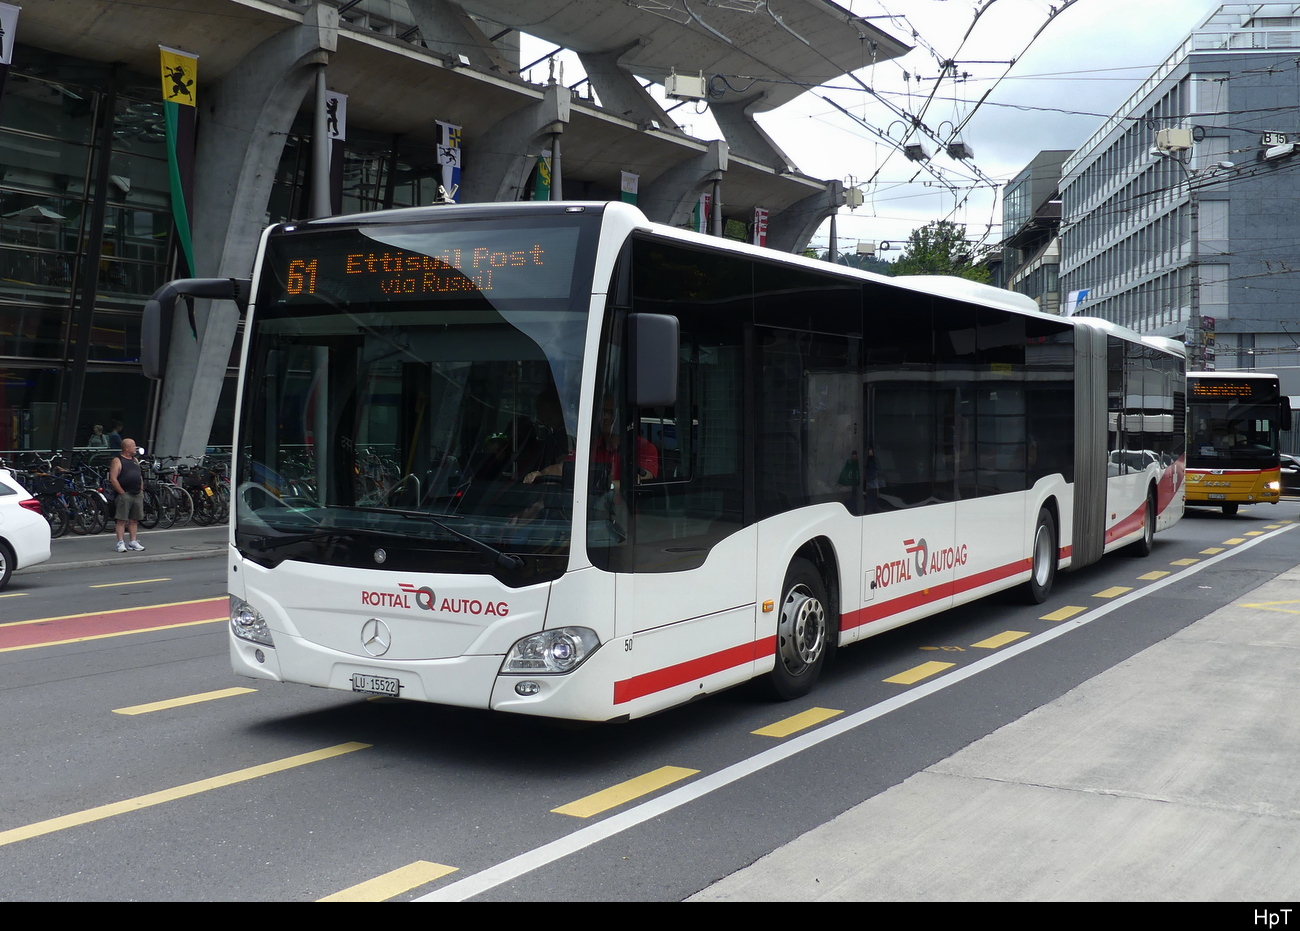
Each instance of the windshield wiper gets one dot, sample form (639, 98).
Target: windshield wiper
(504, 560)
(272, 543)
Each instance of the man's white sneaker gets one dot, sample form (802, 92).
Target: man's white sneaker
(121, 546)
(136, 545)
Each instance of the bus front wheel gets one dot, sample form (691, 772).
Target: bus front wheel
(802, 633)
(1230, 510)
(1042, 573)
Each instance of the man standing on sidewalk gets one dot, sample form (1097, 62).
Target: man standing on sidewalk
(124, 475)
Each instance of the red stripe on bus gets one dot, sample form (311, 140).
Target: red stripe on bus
(660, 679)
(1130, 524)
(876, 612)
(670, 676)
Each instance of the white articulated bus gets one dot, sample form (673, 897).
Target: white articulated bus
(555, 459)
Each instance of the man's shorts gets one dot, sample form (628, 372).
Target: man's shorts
(130, 507)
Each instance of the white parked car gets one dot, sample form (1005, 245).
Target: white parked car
(24, 532)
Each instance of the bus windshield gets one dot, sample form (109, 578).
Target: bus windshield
(400, 384)
(1234, 424)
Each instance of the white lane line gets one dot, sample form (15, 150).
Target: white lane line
(593, 834)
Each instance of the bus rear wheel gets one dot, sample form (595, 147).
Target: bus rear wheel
(802, 633)
(1144, 546)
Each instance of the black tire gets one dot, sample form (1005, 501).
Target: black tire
(152, 510)
(203, 510)
(1044, 555)
(6, 564)
(1144, 546)
(81, 516)
(56, 515)
(1230, 510)
(803, 635)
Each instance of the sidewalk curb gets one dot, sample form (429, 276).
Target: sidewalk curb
(117, 559)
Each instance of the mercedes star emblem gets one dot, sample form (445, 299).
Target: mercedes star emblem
(375, 637)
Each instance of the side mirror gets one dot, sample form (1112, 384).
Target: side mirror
(652, 352)
(160, 311)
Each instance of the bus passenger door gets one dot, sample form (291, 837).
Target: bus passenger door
(909, 485)
(685, 568)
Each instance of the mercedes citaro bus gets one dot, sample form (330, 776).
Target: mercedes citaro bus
(556, 459)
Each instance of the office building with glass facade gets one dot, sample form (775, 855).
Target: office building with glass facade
(1180, 233)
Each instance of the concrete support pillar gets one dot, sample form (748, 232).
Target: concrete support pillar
(243, 121)
(505, 154)
(672, 196)
(619, 90)
(794, 227)
(448, 30)
(557, 167)
(745, 137)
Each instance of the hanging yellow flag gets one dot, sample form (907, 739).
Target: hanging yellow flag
(179, 72)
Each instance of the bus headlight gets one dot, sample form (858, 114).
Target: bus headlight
(247, 623)
(1274, 486)
(551, 652)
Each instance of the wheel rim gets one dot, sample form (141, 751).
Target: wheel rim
(1149, 531)
(801, 636)
(1042, 556)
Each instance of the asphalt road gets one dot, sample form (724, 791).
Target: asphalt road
(140, 768)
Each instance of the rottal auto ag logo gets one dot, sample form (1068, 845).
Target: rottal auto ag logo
(923, 562)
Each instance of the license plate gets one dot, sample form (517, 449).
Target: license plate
(1216, 497)
(375, 685)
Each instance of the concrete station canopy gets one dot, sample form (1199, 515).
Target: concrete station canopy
(786, 46)
(770, 52)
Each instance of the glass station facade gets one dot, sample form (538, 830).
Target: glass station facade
(82, 244)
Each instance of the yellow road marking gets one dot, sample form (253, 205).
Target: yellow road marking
(1152, 576)
(169, 795)
(178, 702)
(1212, 551)
(1112, 592)
(917, 673)
(1234, 541)
(1064, 614)
(796, 723)
(15, 594)
(1272, 606)
(116, 633)
(1253, 533)
(1272, 526)
(68, 617)
(135, 582)
(392, 883)
(624, 792)
(1184, 562)
(1001, 640)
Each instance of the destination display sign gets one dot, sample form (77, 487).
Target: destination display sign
(426, 263)
(1242, 389)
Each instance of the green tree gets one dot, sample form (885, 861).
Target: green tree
(940, 248)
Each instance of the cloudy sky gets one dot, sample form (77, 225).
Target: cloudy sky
(1080, 68)
(1082, 65)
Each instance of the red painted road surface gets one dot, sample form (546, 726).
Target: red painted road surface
(74, 627)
